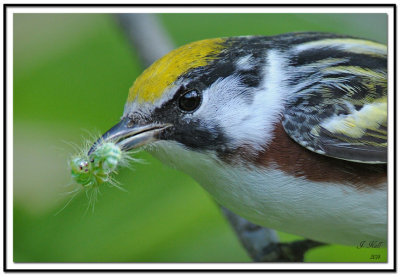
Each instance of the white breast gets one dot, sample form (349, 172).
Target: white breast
(326, 212)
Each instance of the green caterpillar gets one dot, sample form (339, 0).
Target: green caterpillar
(96, 169)
(92, 171)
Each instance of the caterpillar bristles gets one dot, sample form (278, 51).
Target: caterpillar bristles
(92, 195)
(99, 168)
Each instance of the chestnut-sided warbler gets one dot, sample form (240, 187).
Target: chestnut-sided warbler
(287, 131)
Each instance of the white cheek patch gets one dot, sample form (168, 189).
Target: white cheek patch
(246, 115)
(275, 89)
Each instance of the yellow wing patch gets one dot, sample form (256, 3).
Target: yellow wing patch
(151, 84)
(354, 125)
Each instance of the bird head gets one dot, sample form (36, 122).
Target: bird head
(207, 97)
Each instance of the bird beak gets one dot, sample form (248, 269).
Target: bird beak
(130, 137)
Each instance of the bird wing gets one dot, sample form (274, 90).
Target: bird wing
(343, 114)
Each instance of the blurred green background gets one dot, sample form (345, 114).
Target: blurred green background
(71, 77)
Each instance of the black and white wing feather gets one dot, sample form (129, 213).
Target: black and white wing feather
(340, 107)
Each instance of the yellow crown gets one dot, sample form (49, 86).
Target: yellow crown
(151, 84)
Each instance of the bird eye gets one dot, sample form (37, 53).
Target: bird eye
(189, 101)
